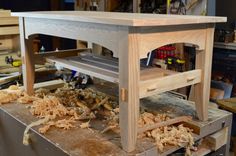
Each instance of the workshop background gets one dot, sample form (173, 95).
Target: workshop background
(176, 57)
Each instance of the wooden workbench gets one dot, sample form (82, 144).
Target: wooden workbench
(15, 117)
(130, 37)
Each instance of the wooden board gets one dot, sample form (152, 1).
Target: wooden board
(4, 21)
(127, 19)
(170, 82)
(6, 43)
(218, 139)
(5, 13)
(11, 30)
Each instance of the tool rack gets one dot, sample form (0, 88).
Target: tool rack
(130, 37)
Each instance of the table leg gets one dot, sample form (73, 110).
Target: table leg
(204, 62)
(27, 59)
(129, 73)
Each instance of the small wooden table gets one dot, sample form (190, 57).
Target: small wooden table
(130, 37)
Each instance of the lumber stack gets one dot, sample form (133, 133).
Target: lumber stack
(9, 32)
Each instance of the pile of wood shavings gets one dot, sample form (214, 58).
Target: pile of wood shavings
(149, 118)
(9, 95)
(64, 102)
(6, 97)
(168, 135)
(163, 136)
(54, 109)
(50, 106)
(172, 135)
(92, 99)
(26, 99)
(65, 124)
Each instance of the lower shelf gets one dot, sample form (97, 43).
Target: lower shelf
(170, 82)
(91, 65)
(152, 80)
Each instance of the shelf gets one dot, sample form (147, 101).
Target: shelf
(92, 65)
(152, 80)
(169, 82)
(230, 46)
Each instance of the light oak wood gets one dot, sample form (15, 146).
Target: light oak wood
(124, 19)
(40, 58)
(129, 75)
(8, 21)
(152, 73)
(6, 43)
(204, 62)
(218, 139)
(106, 35)
(86, 69)
(155, 37)
(11, 30)
(130, 37)
(51, 85)
(5, 13)
(28, 68)
(170, 82)
(100, 67)
(164, 123)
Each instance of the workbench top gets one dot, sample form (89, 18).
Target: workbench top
(124, 19)
(14, 117)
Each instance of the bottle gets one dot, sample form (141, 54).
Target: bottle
(42, 49)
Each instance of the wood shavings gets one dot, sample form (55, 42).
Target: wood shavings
(85, 125)
(26, 136)
(171, 135)
(26, 99)
(107, 106)
(14, 87)
(168, 135)
(65, 124)
(50, 106)
(42, 92)
(6, 97)
(110, 127)
(83, 108)
(113, 121)
(88, 97)
(100, 103)
(149, 118)
(86, 116)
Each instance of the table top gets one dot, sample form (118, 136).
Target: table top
(124, 19)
